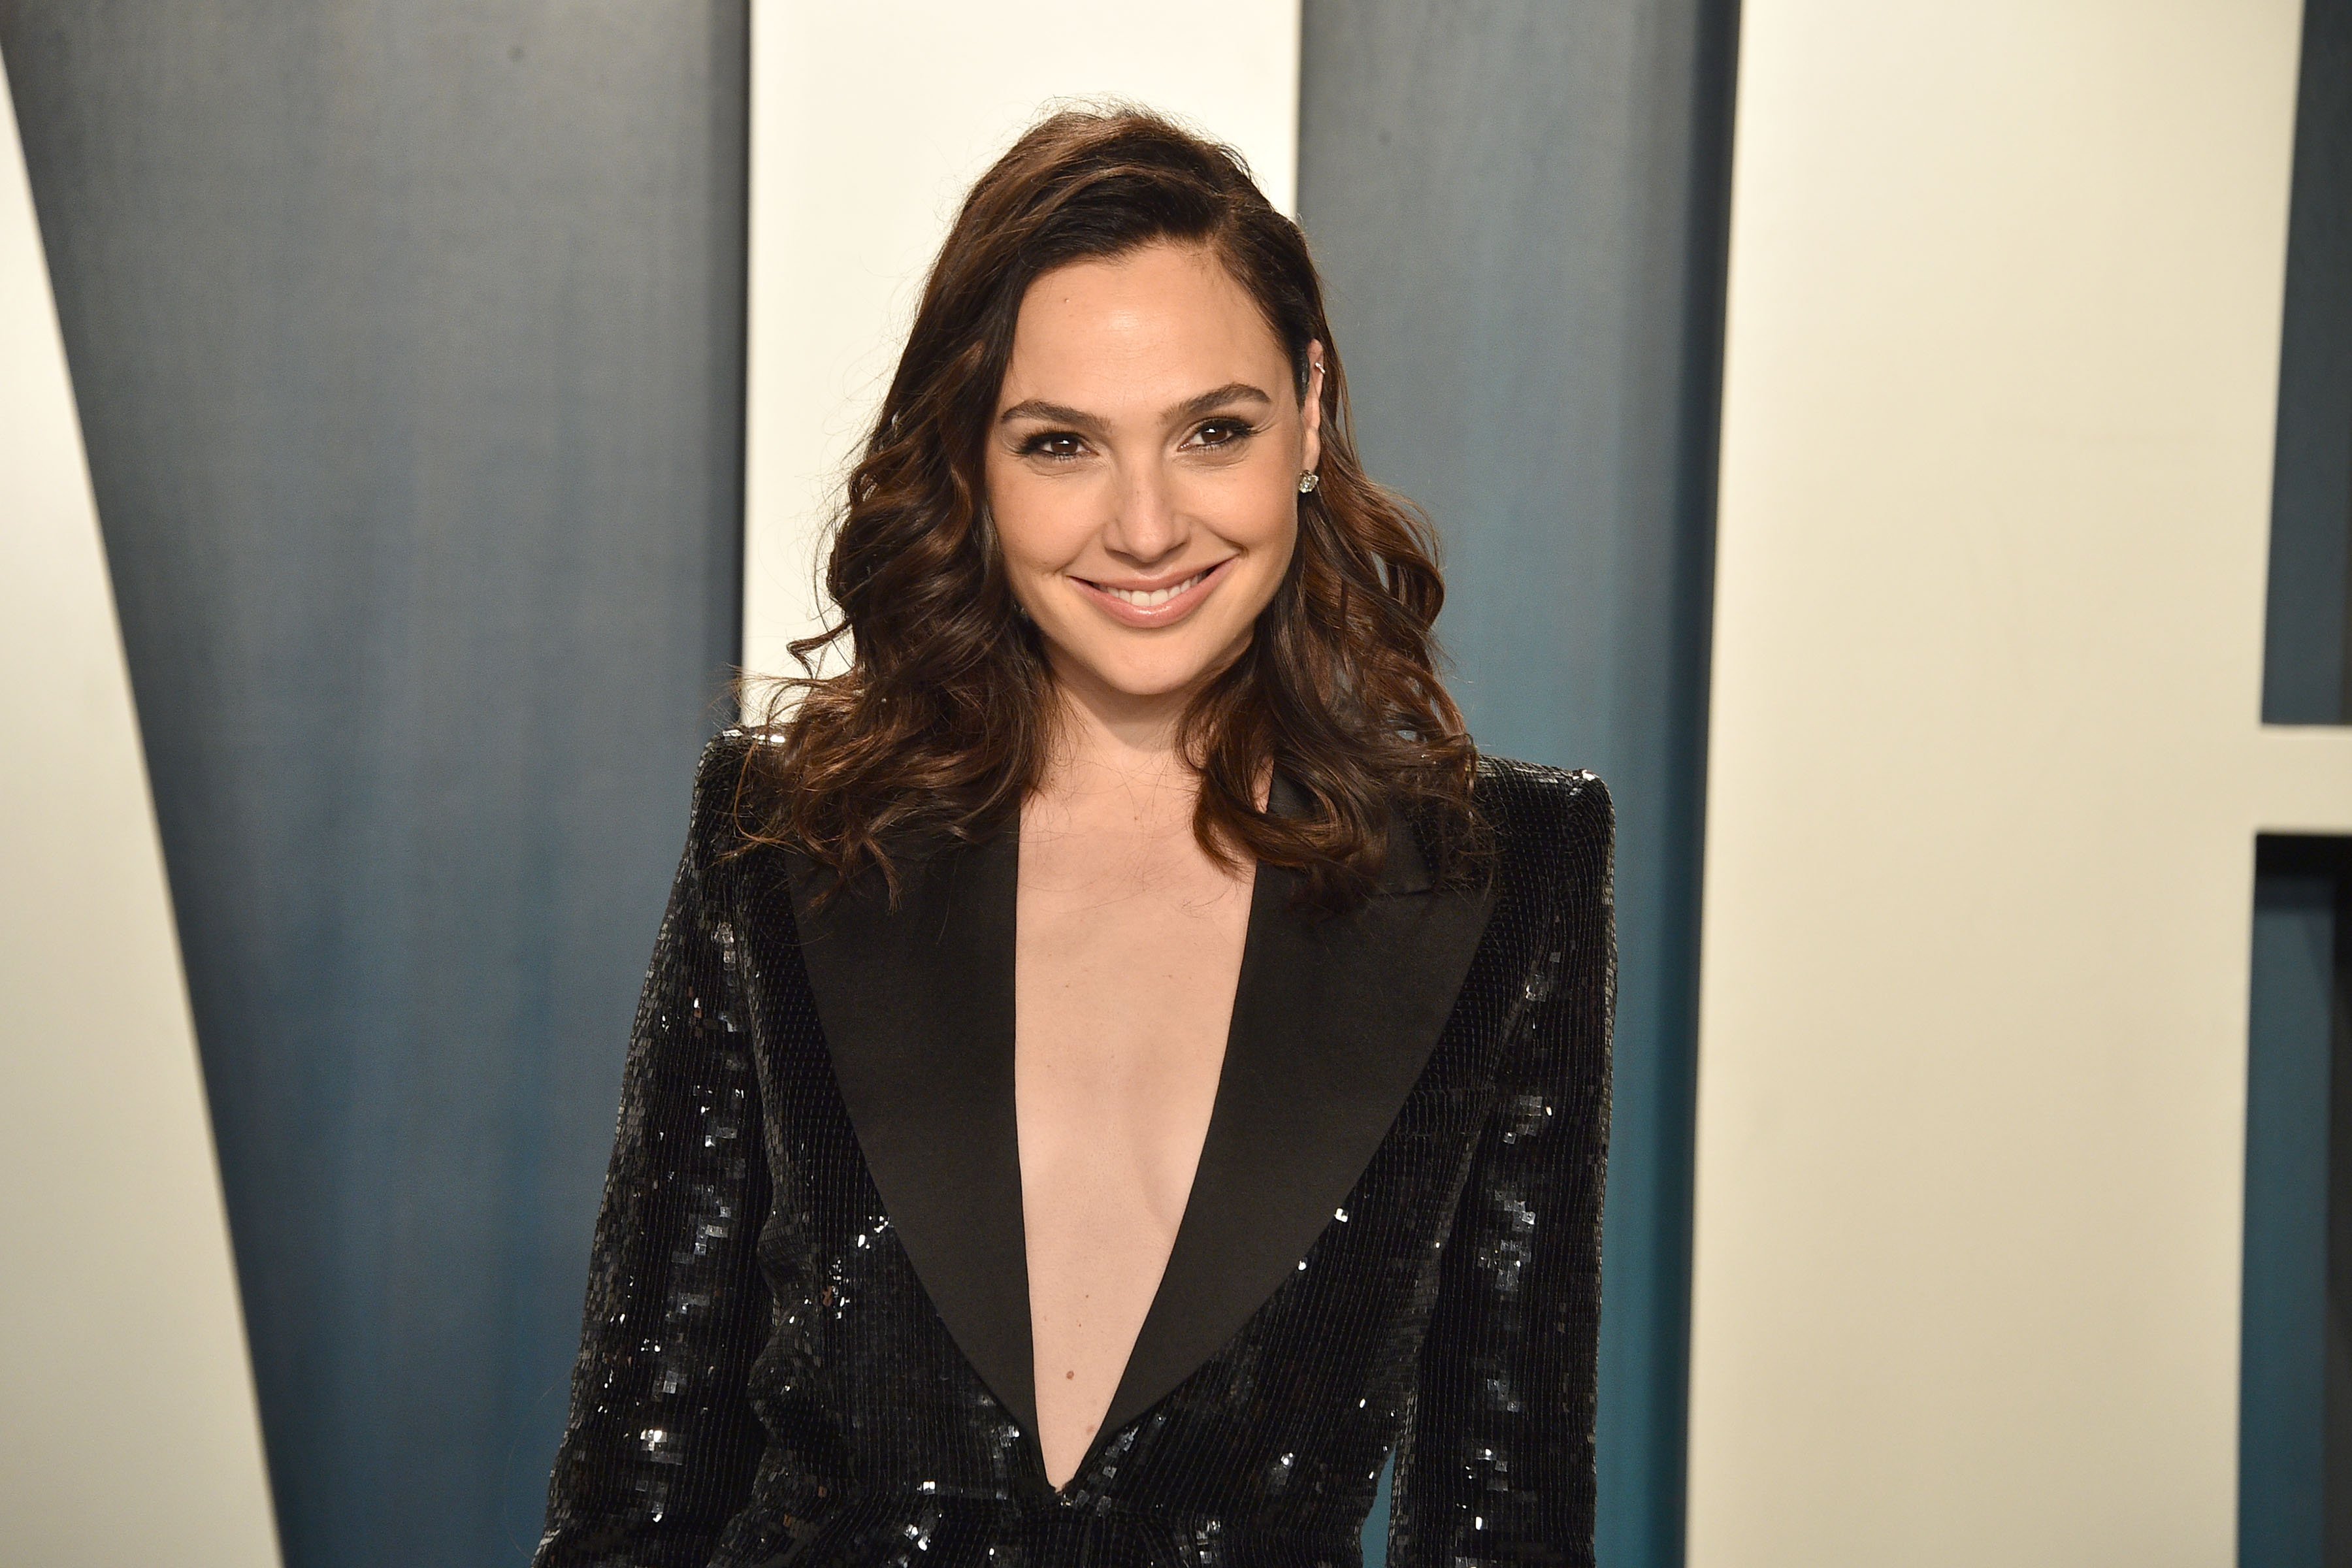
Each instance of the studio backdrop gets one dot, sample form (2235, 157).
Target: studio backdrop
(1902, 449)
(410, 345)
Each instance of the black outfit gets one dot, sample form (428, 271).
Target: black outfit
(807, 1331)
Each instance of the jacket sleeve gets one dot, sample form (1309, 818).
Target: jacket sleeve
(1497, 1466)
(662, 1442)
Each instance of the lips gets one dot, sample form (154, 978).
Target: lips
(1160, 605)
(1153, 598)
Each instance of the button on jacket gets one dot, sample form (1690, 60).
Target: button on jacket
(807, 1339)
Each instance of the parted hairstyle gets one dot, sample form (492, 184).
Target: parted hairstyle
(943, 717)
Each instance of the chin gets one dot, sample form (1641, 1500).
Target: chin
(1154, 682)
(1143, 677)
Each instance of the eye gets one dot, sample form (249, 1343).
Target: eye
(1224, 433)
(1056, 445)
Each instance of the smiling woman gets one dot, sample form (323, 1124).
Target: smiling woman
(1169, 508)
(1080, 377)
(1119, 1063)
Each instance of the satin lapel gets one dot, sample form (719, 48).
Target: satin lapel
(917, 1005)
(1333, 1021)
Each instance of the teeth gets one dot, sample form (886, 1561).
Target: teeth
(1157, 596)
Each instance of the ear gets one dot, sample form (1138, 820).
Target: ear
(1311, 408)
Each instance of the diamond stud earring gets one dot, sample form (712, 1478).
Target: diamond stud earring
(1308, 479)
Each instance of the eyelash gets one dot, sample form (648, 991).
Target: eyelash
(1035, 446)
(1242, 431)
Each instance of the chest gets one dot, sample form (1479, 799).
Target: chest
(1126, 954)
(1299, 1058)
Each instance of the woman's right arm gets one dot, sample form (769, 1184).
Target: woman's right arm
(662, 1443)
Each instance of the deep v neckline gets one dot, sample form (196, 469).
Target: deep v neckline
(1333, 1019)
(1256, 894)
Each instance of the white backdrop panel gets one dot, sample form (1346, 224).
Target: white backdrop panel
(1985, 773)
(128, 1431)
(868, 122)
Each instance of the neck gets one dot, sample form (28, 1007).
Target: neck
(1107, 741)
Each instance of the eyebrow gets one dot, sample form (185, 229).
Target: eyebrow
(1062, 414)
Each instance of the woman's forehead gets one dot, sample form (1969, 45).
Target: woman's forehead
(1128, 327)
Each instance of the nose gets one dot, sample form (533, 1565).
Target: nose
(1144, 526)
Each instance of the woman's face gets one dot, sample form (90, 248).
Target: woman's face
(1143, 469)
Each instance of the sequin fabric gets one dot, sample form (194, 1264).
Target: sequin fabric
(762, 1380)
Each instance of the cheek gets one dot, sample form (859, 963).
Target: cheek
(1262, 517)
(1039, 524)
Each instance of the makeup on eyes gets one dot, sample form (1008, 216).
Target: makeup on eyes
(1034, 445)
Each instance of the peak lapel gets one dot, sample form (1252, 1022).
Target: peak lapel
(1333, 1021)
(917, 1005)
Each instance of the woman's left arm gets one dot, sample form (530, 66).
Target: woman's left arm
(663, 1441)
(1498, 1466)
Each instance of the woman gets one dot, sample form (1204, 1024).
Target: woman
(1118, 1065)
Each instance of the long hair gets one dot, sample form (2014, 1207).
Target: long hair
(943, 718)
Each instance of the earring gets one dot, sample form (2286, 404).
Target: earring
(1308, 479)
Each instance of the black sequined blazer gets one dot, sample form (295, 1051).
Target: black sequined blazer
(807, 1328)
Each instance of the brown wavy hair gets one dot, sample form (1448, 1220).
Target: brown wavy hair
(943, 718)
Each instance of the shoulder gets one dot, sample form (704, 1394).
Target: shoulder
(723, 756)
(721, 778)
(1552, 830)
(1528, 803)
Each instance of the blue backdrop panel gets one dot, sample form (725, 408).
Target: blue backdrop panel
(2307, 664)
(2295, 1428)
(407, 337)
(1521, 207)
